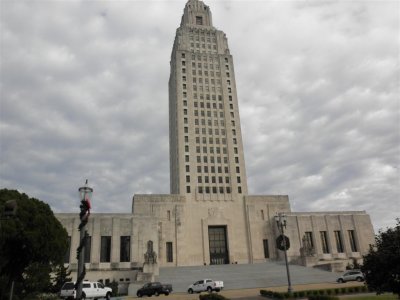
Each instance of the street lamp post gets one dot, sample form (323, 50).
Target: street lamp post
(284, 244)
(85, 193)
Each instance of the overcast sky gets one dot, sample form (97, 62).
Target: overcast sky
(84, 94)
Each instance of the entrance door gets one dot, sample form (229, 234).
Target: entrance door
(218, 246)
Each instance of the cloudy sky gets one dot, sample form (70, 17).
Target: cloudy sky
(84, 94)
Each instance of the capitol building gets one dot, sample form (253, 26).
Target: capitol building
(209, 217)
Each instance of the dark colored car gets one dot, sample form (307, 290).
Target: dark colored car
(154, 288)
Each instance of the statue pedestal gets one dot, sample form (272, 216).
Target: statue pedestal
(151, 268)
(309, 261)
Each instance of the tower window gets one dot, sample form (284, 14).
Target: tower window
(199, 20)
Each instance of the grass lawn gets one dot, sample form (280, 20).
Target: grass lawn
(374, 297)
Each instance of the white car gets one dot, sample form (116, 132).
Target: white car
(90, 290)
(205, 285)
(351, 275)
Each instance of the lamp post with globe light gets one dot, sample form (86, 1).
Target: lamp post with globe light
(283, 243)
(85, 194)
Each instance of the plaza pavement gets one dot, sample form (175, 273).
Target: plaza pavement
(245, 281)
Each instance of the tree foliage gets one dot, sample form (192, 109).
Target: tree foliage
(382, 264)
(33, 242)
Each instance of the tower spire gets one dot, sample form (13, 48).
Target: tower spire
(196, 13)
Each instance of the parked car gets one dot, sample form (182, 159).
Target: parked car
(154, 288)
(90, 290)
(351, 275)
(205, 285)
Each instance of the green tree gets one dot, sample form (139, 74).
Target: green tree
(32, 244)
(61, 276)
(382, 263)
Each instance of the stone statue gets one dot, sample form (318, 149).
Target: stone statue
(307, 249)
(150, 257)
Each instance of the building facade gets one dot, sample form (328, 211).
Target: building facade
(209, 217)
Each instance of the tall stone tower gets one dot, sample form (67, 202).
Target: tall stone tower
(206, 149)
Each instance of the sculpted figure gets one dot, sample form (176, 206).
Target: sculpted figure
(308, 249)
(150, 256)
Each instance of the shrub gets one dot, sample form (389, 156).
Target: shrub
(329, 292)
(212, 296)
(336, 291)
(364, 289)
(323, 297)
(114, 287)
(277, 295)
(302, 294)
(47, 297)
(343, 290)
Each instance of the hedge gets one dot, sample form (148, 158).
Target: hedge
(323, 294)
(212, 296)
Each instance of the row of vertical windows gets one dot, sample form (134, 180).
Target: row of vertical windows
(308, 238)
(105, 249)
(214, 190)
(205, 72)
(209, 122)
(205, 65)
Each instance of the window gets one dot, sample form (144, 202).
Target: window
(187, 189)
(169, 252)
(324, 242)
(238, 179)
(266, 249)
(186, 158)
(200, 189)
(228, 190)
(68, 252)
(187, 178)
(105, 249)
(187, 168)
(352, 240)
(239, 189)
(88, 248)
(237, 170)
(168, 215)
(199, 179)
(125, 249)
(339, 243)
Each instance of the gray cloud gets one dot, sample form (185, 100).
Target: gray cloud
(85, 95)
